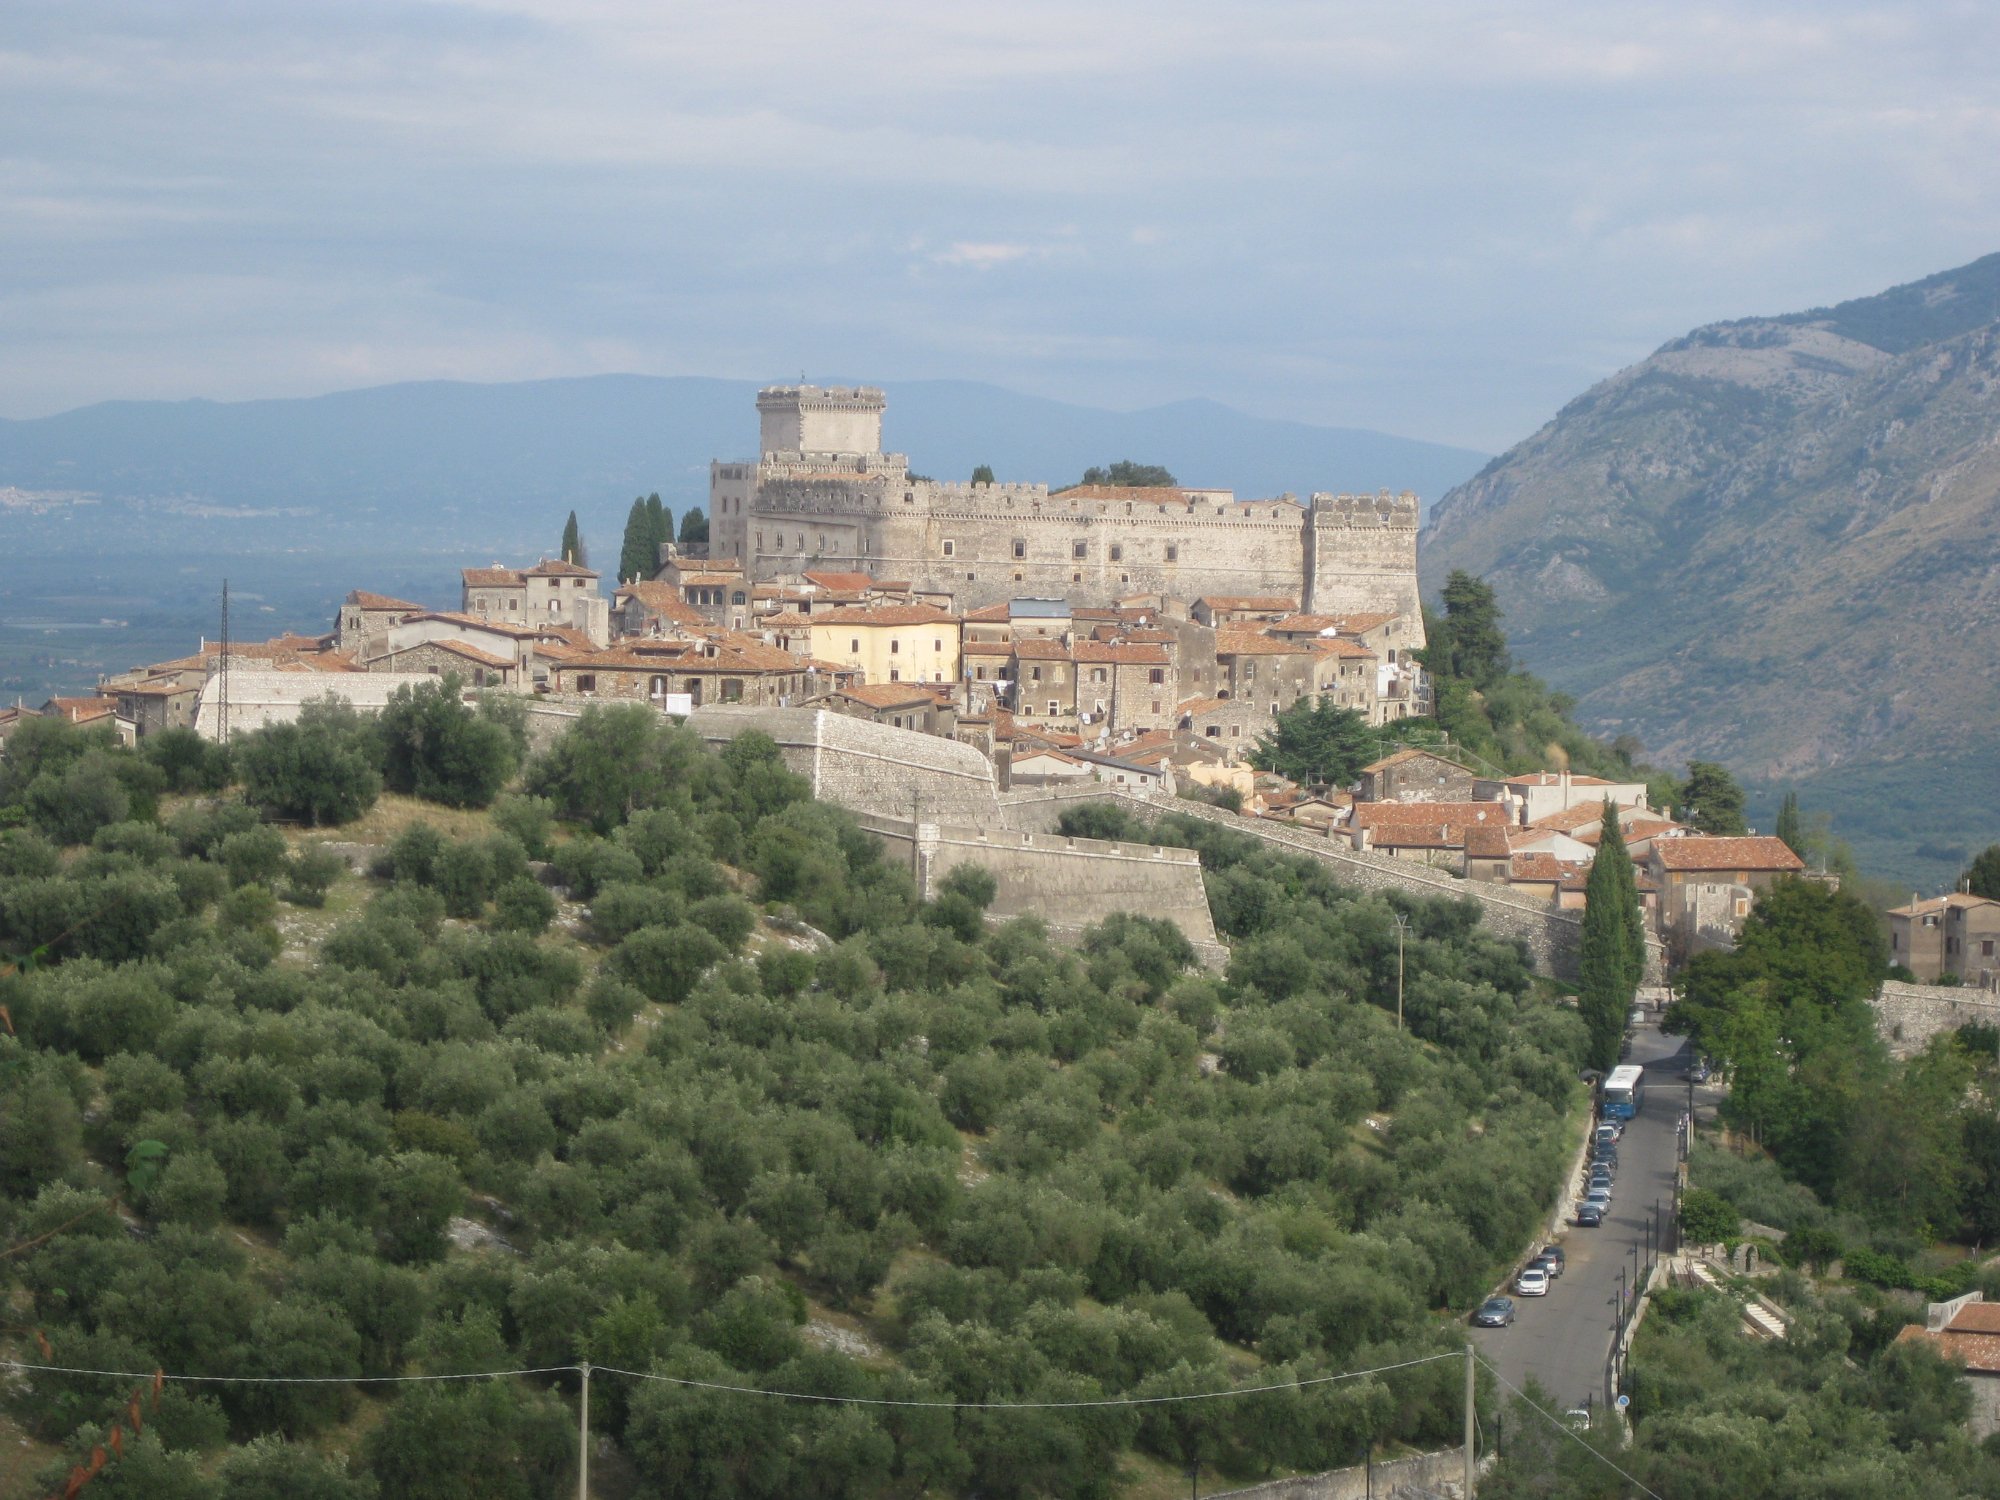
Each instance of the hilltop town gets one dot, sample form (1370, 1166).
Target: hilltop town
(1143, 639)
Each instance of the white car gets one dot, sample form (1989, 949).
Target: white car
(1637, 1018)
(1600, 1196)
(1532, 1282)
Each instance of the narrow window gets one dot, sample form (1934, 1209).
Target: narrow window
(1020, 547)
(586, 682)
(1079, 550)
(1117, 552)
(950, 547)
(1173, 553)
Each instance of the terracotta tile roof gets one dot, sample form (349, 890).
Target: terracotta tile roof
(1133, 655)
(171, 687)
(1034, 650)
(887, 615)
(1257, 603)
(556, 568)
(1403, 758)
(1196, 707)
(858, 583)
(362, 599)
(1418, 836)
(495, 577)
(1961, 900)
(458, 648)
(1979, 1353)
(1046, 752)
(784, 619)
(1469, 814)
(888, 694)
(988, 648)
(77, 710)
(1569, 819)
(727, 567)
(988, 614)
(1701, 853)
(1975, 1317)
(1541, 867)
(478, 622)
(1256, 643)
(1555, 778)
(1328, 646)
(1486, 843)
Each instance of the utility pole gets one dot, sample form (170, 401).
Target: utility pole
(1402, 931)
(222, 672)
(1471, 1394)
(583, 1437)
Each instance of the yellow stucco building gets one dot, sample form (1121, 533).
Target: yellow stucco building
(890, 642)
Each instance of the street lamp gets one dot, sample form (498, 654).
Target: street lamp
(1402, 931)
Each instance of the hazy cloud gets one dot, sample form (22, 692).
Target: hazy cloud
(1436, 218)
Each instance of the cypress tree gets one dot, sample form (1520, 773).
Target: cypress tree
(1790, 829)
(635, 549)
(1611, 953)
(694, 527)
(572, 542)
(659, 531)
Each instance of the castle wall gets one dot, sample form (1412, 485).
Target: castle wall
(1362, 556)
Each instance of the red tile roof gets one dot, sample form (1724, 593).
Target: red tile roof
(1699, 853)
(858, 583)
(1256, 603)
(362, 599)
(1256, 643)
(888, 694)
(887, 615)
(495, 577)
(556, 568)
(1124, 655)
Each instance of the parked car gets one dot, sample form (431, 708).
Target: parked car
(1548, 1265)
(1699, 1072)
(1600, 1172)
(1637, 1018)
(1532, 1281)
(1578, 1418)
(1612, 1129)
(1494, 1312)
(1589, 1215)
(1555, 1253)
(1601, 1196)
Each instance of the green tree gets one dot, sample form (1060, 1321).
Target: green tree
(1790, 827)
(437, 747)
(1711, 801)
(1610, 952)
(659, 529)
(272, 1469)
(1469, 646)
(319, 771)
(1706, 1217)
(634, 558)
(1982, 876)
(1125, 474)
(982, 474)
(572, 542)
(694, 527)
(1317, 743)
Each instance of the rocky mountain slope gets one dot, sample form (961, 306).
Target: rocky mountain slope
(1776, 542)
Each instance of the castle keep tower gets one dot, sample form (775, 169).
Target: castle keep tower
(1361, 556)
(804, 419)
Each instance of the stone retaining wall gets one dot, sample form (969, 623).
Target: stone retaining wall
(1551, 936)
(1909, 1015)
(1423, 1473)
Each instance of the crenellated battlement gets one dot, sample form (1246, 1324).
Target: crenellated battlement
(1382, 508)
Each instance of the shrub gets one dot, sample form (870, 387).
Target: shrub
(311, 875)
(254, 857)
(523, 905)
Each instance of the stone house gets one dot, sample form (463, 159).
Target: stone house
(549, 593)
(890, 642)
(652, 609)
(1128, 685)
(364, 620)
(473, 666)
(899, 705)
(163, 702)
(1543, 793)
(722, 669)
(1956, 935)
(1415, 776)
(1219, 610)
(1707, 885)
(1966, 1332)
(1228, 722)
(1043, 680)
(714, 587)
(1431, 833)
(1261, 669)
(1044, 765)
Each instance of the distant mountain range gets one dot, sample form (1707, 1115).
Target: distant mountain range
(441, 454)
(1776, 542)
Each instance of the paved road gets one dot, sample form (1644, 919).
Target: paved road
(1563, 1339)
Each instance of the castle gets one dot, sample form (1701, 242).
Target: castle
(823, 495)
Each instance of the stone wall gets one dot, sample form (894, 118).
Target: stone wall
(1422, 1473)
(1551, 936)
(1909, 1015)
(1069, 883)
(868, 767)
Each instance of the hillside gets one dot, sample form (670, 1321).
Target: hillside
(739, 1111)
(1776, 542)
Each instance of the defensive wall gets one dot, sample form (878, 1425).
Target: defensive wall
(1907, 1016)
(1070, 883)
(1419, 1474)
(1551, 936)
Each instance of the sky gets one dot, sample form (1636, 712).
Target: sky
(1441, 220)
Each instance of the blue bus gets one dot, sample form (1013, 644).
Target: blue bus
(1624, 1092)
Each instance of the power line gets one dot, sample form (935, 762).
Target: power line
(1565, 1429)
(741, 1390)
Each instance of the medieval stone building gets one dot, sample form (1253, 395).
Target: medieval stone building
(823, 495)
